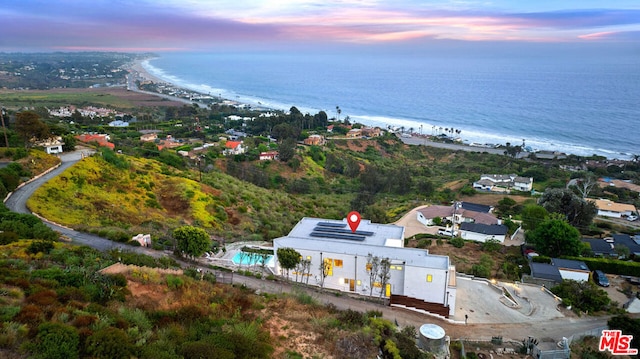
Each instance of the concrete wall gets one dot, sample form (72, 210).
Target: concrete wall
(405, 280)
(480, 237)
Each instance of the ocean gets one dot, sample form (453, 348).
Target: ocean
(577, 103)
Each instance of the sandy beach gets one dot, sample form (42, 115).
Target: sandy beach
(138, 70)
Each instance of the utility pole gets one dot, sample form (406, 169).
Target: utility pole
(4, 128)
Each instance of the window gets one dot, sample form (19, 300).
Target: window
(369, 266)
(337, 262)
(377, 285)
(346, 281)
(359, 282)
(398, 267)
(308, 258)
(429, 278)
(328, 267)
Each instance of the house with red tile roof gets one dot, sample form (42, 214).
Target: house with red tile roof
(269, 155)
(234, 148)
(101, 139)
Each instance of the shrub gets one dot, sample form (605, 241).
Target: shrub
(492, 245)
(8, 237)
(56, 340)
(457, 242)
(36, 247)
(424, 243)
(174, 282)
(110, 342)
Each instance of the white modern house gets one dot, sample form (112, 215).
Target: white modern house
(417, 279)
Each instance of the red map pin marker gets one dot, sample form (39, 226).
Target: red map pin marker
(353, 218)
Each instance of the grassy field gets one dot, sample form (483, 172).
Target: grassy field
(112, 97)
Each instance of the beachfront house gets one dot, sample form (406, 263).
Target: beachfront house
(339, 261)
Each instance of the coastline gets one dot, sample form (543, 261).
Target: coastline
(138, 67)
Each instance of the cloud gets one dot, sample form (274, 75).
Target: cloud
(613, 35)
(173, 24)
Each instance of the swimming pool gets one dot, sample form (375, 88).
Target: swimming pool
(246, 259)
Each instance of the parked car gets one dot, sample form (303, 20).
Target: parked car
(600, 278)
(447, 232)
(632, 217)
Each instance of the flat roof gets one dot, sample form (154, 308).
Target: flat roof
(374, 234)
(300, 238)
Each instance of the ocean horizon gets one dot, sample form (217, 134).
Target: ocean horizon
(565, 102)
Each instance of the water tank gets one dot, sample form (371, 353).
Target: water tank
(432, 338)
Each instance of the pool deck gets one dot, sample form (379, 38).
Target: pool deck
(225, 258)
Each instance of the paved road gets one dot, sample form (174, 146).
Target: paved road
(18, 199)
(417, 140)
(485, 321)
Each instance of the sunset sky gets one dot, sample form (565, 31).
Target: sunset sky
(167, 25)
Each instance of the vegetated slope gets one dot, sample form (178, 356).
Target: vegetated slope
(135, 194)
(97, 193)
(57, 302)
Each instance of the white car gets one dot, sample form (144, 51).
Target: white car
(447, 232)
(632, 217)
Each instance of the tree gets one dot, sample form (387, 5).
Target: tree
(555, 237)
(505, 206)
(288, 258)
(325, 269)
(373, 266)
(583, 296)
(192, 240)
(29, 127)
(532, 215)
(483, 269)
(287, 148)
(628, 326)
(577, 211)
(69, 143)
(384, 274)
(584, 185)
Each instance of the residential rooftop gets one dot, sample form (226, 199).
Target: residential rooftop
(383, 240)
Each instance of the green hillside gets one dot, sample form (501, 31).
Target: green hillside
(119, 196)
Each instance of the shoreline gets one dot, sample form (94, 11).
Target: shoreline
(138, 67)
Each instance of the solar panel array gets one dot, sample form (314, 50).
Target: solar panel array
(335, 230)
